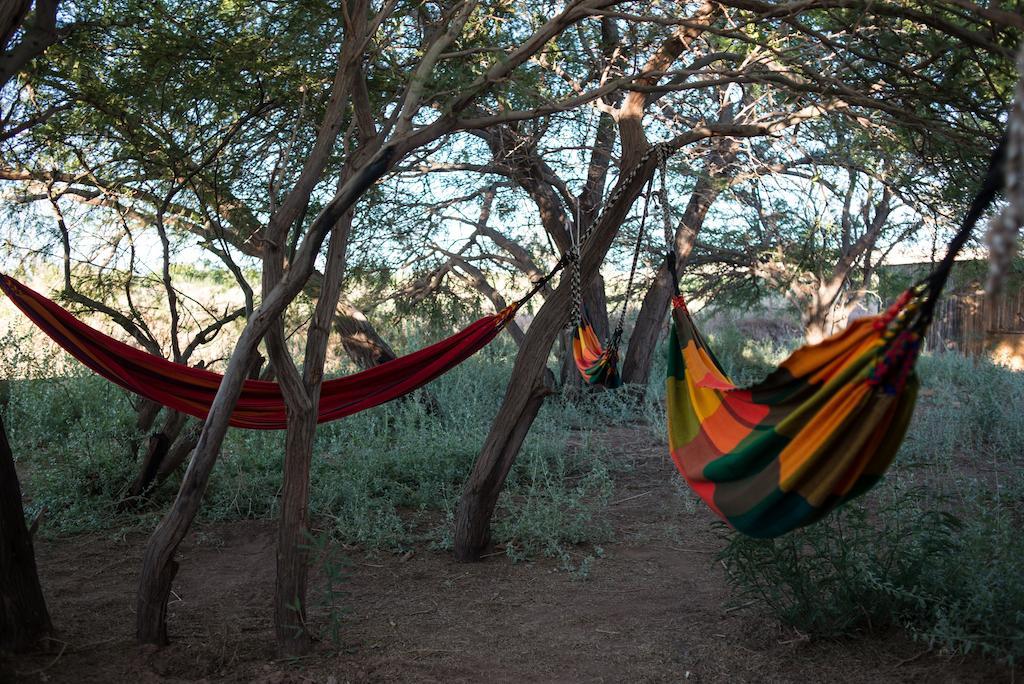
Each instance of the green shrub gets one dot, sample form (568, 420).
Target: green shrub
(954, 583)
(936, 549)
(853, 571)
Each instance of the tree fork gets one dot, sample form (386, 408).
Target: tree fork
(517, 413)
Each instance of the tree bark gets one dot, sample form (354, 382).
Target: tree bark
(290, 609)
(178, 452)
(158, 564)
(290, 589)
(473, 519)
(360, 339)
(636, 364)
(24, 619)
(158, 447)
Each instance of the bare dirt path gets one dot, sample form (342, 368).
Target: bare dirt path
(653, 609)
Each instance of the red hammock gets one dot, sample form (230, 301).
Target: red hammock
(261, 406)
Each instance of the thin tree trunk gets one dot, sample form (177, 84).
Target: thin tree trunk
(524, 395)
(290, 609)
(636, 366)
(145, 416)
(360, 339)
(364, 345)
(178, 452)
(24, 619)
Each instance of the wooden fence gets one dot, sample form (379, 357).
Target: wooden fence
(976, 324)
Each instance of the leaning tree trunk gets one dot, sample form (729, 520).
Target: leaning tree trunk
(145, 416)
(158, 564)
(360, 339)
(524, 397)
(636, 365)
(158, 447)
(364, 345)
(24, 619)
(178, 452)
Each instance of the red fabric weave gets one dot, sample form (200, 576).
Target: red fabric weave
(261, 406)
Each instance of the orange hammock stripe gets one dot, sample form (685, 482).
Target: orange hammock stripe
(261, 405)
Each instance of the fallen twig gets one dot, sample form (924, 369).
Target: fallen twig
(45, 667)
(630, 498)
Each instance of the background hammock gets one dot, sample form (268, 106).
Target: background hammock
(597, 365)
(261, 406)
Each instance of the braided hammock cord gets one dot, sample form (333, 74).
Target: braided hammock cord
(574, 256)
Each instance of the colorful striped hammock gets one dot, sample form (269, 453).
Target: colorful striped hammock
(261, 406)
(818, 431)
(597, 365)
(824, 426)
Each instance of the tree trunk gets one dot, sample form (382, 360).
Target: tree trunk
(24, 619)
(158, 447)
(290, 609)
(178, 452)
(524, 397)
(359, 338)
(158, 565)
(473, 520)
(302, 397)
(636, 366)
(145, 416)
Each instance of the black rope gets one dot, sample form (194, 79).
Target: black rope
(662, 150)
(538, 285)
(620, 326)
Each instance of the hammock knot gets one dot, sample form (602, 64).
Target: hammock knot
(505, 315)
(679, 302)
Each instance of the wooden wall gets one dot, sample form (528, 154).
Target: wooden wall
(975, 324)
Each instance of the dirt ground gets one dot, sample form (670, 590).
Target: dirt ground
(652, 609)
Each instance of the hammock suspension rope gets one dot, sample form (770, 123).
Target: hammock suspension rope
(596, 362)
